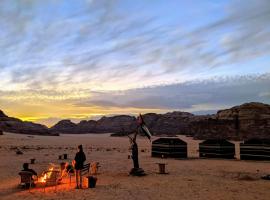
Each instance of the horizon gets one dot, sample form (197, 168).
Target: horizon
(85, 59)
(96, 118)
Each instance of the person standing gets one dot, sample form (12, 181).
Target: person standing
(79, 160)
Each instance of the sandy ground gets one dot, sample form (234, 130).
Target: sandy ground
(187, 179)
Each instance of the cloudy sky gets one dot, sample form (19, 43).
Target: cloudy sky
(81, 59)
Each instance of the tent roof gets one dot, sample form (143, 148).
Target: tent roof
(257, 141)
(169, 140)
(217, 142)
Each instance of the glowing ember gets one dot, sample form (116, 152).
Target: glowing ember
(46, 176)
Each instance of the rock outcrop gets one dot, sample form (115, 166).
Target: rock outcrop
(169, 123)
(15, 125)
(115, 124)
(249, 120)
(64, 126)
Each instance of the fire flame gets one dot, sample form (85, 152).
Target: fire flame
(46, 176)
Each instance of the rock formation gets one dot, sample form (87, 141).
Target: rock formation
(249, 120)
(64, 126)
(245, 121)
(116, 124)
(14, 125)
(169, 123)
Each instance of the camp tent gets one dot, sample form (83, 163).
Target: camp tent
(217, 148)
(255, 149)
(169, 147)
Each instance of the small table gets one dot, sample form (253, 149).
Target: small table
(162, 168)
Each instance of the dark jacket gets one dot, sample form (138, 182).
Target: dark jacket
(79, 158)
(30, 170)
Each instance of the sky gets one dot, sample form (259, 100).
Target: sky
(82, 59)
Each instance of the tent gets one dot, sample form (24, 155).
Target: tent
(169, 147)
(217, 148)
(255, 149)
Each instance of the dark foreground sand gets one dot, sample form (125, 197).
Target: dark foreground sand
(187, 179)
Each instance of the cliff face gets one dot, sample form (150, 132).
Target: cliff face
(169, 123)
(116, 124)
(64, 126)
(14, 125)
(250, 120)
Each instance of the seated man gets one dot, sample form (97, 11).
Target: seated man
(27, 169)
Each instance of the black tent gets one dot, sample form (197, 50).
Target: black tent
(217, 148)
(169, 147)
(255, 149)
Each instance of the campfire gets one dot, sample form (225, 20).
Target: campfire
(46, 175)
(50, 177)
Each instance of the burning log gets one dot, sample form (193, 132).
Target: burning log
(46, 175)
(50, 177)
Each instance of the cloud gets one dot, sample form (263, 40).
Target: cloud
(199, 97)
(179, 96)
(97, 44)
(77, 54)
(190, 96)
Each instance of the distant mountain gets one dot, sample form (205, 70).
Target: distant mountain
(248, 120)
(115, 124)
(168, 124)
(14, 125)
(245, 121)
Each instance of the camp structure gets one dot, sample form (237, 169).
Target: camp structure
(255, 149)
(169, 147)
(217, 148)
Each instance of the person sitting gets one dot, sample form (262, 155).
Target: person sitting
(27, 169)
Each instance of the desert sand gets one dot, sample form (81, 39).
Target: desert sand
(193, 178)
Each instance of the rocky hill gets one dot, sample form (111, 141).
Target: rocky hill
(116, 124)
(14, 125)
(245, 121)
(249, 120)
(168, 124)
